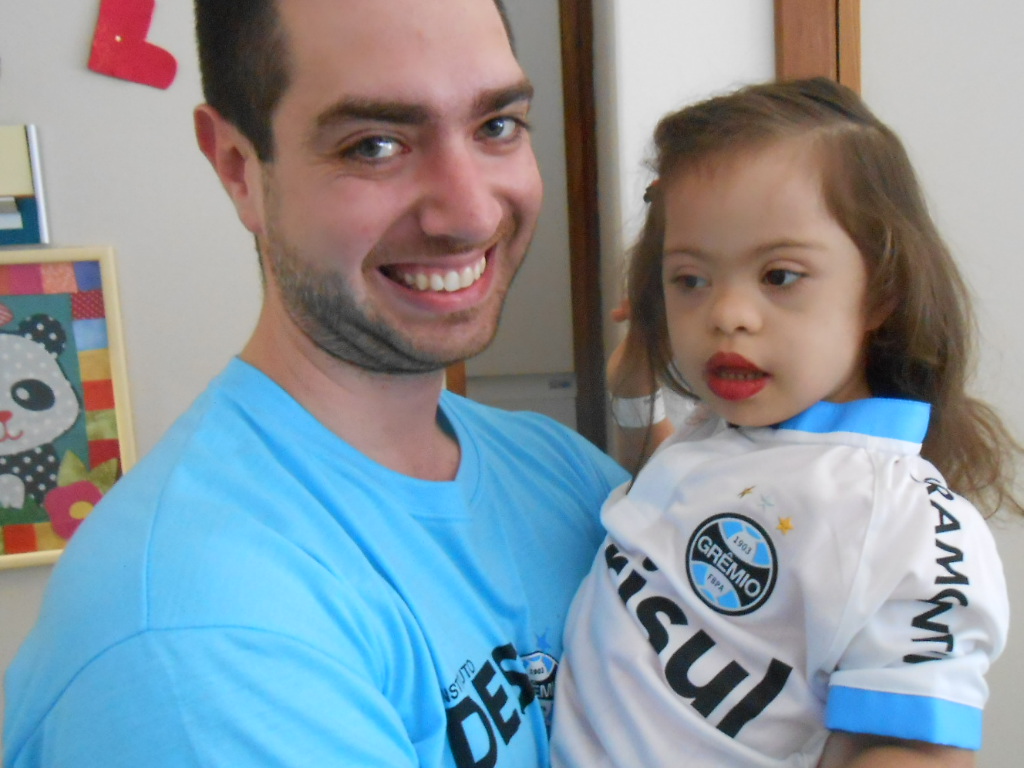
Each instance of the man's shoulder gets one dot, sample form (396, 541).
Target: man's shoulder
(211, 505)
(212, 531)
(230, 436)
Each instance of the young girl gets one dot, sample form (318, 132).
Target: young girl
(794, 583)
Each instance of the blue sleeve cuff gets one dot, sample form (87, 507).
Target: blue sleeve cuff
(918, 718)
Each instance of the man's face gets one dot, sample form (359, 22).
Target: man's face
(404, 191)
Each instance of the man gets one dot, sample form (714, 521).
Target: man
(328, 561)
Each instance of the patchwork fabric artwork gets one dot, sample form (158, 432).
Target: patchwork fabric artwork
(60, 450)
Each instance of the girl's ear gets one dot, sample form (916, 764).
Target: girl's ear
(876, 316)
(235, 162)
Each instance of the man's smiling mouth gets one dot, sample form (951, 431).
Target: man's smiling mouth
(421, 278)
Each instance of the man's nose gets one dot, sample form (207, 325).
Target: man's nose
(460, 196)
(735, 308)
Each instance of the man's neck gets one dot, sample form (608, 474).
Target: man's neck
(391, 419)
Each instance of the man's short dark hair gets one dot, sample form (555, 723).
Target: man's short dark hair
(243, 61)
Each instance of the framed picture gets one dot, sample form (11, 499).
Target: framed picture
(65, 424)
(22, 204)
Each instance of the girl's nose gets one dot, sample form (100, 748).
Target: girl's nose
(734, 309)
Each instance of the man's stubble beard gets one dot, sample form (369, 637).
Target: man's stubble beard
(323, 306)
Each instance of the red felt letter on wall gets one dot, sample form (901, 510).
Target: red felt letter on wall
(119, 47)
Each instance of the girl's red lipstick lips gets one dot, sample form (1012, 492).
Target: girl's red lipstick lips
(733, 377)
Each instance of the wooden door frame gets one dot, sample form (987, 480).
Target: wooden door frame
(578, 97)
(818, 37)
(812, 37)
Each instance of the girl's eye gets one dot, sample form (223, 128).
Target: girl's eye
(781, 278)
(690, 282)
(502, 128)
(374, 148)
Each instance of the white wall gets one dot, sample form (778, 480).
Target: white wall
(654, 56)
(949, 82)
(120, 168)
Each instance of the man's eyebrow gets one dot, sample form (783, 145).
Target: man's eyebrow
(404, 113)
(496, 100)
(371, 110)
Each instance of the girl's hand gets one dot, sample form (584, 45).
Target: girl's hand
(629, 375)
(628, 370)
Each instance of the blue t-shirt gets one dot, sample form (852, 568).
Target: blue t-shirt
(257, 592)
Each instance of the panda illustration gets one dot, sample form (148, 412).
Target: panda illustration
(37, 405)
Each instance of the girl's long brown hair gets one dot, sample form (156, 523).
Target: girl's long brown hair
(924, 350)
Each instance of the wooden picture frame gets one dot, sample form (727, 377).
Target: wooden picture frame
(65, 423)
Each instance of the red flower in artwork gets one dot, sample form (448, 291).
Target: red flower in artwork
(69, 505)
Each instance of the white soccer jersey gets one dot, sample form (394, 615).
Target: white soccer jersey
(760, 587)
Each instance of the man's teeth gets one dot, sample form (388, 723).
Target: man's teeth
(448, 282)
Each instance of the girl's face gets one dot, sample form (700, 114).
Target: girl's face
(764, 291)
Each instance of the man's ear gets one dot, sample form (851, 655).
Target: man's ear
(235, 162)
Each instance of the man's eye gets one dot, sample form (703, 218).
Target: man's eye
(781, 278)
(374, 148)
(501, 128)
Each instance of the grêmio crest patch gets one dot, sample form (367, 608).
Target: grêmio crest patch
(731, 564)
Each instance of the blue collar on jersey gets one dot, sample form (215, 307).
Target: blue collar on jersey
(876, 417)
